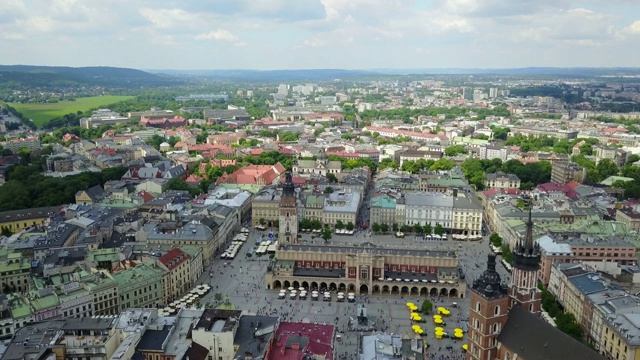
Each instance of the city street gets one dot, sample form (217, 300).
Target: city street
(242, 280)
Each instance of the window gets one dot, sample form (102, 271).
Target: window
(496, 310)
(478, 306)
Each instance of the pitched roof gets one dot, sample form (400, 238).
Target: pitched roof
(173, 258)
(94, 193)
(533, 339)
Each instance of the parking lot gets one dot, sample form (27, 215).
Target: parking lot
(242, 281)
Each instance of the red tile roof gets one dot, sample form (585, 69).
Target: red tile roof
(319, 341)
(145, 195)
(173, 258)
(254, 174)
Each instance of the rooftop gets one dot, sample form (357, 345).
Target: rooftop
(372, 249)
(534, 339)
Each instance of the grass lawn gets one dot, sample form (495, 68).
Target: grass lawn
(40, 113)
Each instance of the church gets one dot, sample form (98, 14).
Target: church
(504, 320)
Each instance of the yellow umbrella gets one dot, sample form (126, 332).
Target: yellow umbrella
(439, 335)
(413, 308)
(437, 317)
(410, 304)
(441, 308)
(439, 329)
(438, 321)
(415, 326)
(458, 335)
(418, 318)
(419, 331)
(446, 312)
(465, 347)
(413, 314)
(457, 329)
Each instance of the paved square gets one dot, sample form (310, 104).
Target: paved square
(242, 280)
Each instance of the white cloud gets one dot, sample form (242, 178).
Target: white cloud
(220, 34)
(328, 33)
(633, 29)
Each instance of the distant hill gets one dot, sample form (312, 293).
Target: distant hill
(272, 75)
(98, 75)
(558, 71)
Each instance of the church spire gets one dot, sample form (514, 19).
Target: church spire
(526, 254)
(288, 189)
(528, 236)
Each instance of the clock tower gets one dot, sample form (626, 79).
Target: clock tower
(288, 219)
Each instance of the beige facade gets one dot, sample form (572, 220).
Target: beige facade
(501, 180)
(366, 271)
(265, 206)
(629, 218)
(177, 276)
(616, 342)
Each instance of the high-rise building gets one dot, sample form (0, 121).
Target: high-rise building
(467, 93)
(288, 221)
(493, 92)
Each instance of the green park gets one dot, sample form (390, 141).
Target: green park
(42, 112)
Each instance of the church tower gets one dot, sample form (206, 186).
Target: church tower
(488, 313)
(524, 280)
(288, 219)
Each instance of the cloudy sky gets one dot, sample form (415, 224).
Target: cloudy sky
(297, 34)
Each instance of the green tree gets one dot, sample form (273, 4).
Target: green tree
(395, 227)
(387, 163)
(443, 164)
(418, 229)
(326, 234)
(384, 228)
(217, 296)
(332, 178)
(501, 133)
(455, 150)
(350, 226)
(339, 225)
(328, 190)
(262, 222)
(438, 230)
(404, 228)
(177, 184)
(606, 168)
(495, 240)
(633, 158)
(375, 227)
(428, 229)
(507, 255)
(426, 307)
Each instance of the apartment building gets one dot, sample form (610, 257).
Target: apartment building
(140, 286)
(341, 206)
(382, 210)
(563, 172)
(490, 152)
(629, 218)
(501, 180)
(15, 271)
(458, 214)
(617, 155)
(177, 274)
(265, 206)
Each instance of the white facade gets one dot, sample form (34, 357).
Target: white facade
(493, 152)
